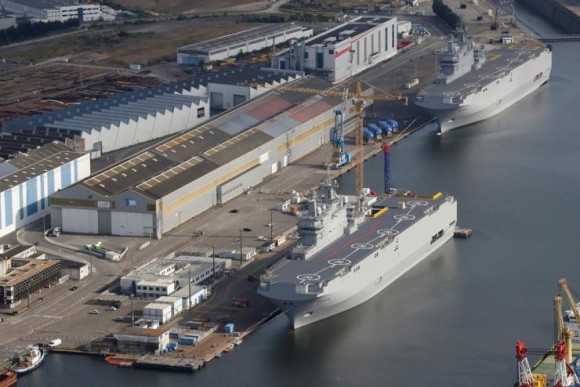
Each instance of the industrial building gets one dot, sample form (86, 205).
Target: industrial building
(345, 50)
(136, 340)
(27, 180)
(162, 277)
(23, 271)
(173, 181)
(134, 117)
(58, 10)
(227, 46)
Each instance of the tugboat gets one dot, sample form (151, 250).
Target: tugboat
(30, 361)
(8, 378)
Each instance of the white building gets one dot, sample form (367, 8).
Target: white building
(27, 180)
(189, 299)
(162, 277)
(231, 45)
(135, 340)
(158, 312)
(58, 10)
(154, 289)
(175, 302)
(344, 50)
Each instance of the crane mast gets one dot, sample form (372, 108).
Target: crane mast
(564, 287)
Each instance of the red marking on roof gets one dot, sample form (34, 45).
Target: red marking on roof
(309, 112)
(269, 109)
(337, 54)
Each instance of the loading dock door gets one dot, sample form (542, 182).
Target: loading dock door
(217, 100)
(80, 220)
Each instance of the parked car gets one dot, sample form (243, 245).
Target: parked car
(119, 318)
(94, 311)
(111, 307)
(247, 229)
(54, 342)
(73, 288)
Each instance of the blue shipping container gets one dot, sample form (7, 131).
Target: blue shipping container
(229, 328)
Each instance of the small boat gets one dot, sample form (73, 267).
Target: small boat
(228, 348)
(8, 379)
(30, 361)
(218, 355)
(119, 361)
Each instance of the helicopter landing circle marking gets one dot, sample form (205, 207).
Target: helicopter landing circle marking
(417, 203)
(362, 246)
(308, 277)
(389, 232)
(339, 262)
(404, 217)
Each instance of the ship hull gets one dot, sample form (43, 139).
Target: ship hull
(493, 98)
(374, 273)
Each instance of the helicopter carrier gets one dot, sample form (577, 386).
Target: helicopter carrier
(474, 85)
(351, 248)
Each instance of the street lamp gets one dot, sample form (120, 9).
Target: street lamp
(132, 318)
(241, 243)
(213, 261)
(271, 227)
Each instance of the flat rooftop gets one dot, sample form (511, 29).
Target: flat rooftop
(223, 42)
(350, 29)
(26, 166)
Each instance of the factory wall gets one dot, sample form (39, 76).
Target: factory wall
(28, 201)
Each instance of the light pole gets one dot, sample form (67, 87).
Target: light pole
(271, 227)
(189, 284)
(241, 243)
(213, 261)
(132, 318)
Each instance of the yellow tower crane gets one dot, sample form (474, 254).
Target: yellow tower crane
(358, 101)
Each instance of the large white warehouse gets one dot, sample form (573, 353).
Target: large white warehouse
(173, 181)
(28, 179)
(344, 50)
(231, 45)
(131, 118)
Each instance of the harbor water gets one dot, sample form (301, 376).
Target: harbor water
(453, 319)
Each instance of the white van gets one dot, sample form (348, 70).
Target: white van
(54, 343)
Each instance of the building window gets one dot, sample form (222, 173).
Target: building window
(331, 52)
(306, 55)
(200, 112)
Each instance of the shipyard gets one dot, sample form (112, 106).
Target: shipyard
(155, 215)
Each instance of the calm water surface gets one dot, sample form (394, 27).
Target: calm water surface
(452, 320)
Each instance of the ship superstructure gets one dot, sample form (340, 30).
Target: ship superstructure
(350, 248)
(474, 84)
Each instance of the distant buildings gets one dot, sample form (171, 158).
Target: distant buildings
(58, 10)
(228, 46)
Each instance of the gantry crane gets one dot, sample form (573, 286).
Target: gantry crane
(358, 101)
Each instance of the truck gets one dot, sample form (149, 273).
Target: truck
(378, 132)
(387, 129)
(368, 136)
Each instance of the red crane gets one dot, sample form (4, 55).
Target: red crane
(525, 377)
